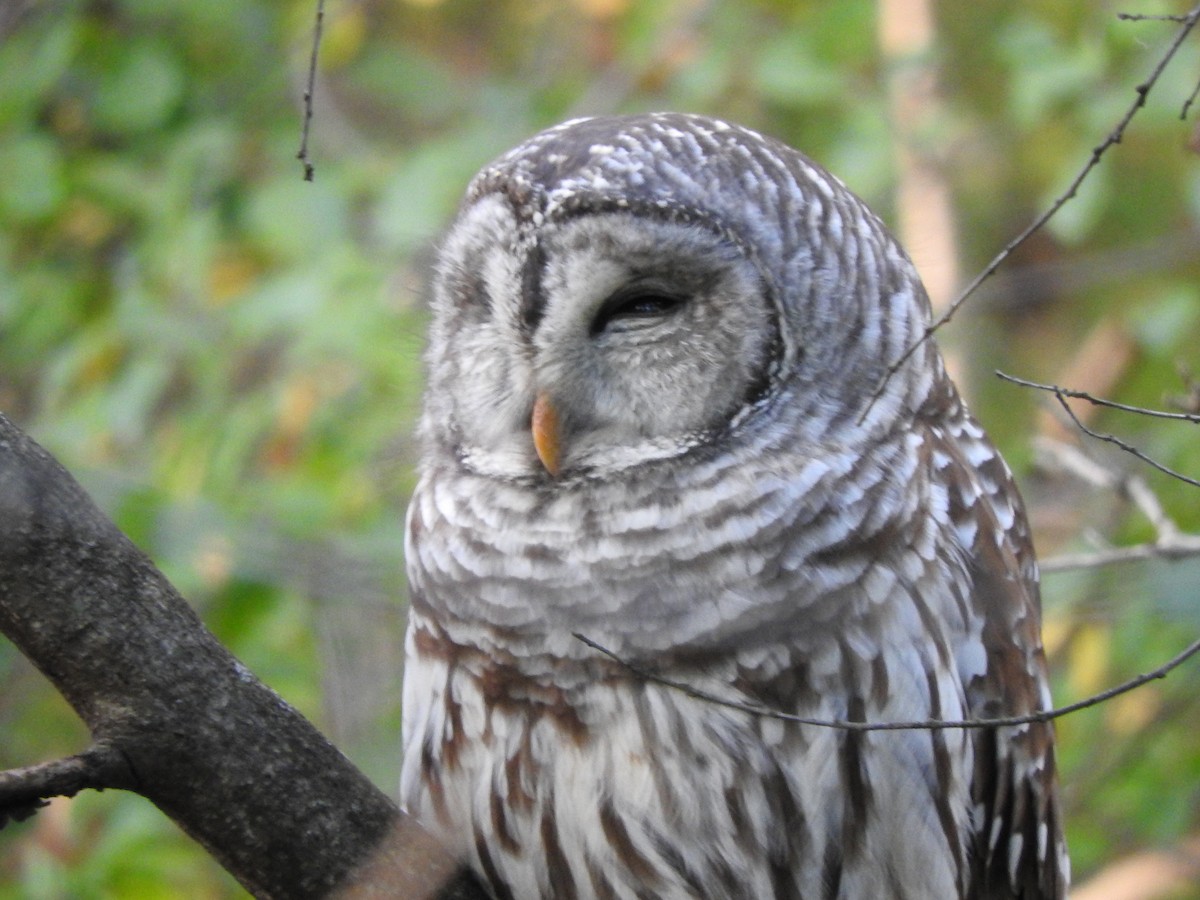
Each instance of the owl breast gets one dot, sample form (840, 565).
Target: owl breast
(548, 765)
(643, 792)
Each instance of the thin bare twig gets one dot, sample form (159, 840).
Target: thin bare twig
(1099, 401)
(928, 725)
(1140, 17)
(302, 155)
(1128, 448)
(1187, 104)
(1187, 23)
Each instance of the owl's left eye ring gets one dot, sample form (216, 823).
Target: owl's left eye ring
(636, 302)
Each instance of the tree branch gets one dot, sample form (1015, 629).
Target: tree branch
(173, 715)
(1181, 547)
(23, 791)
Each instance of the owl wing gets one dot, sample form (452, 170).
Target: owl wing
(1018, 849)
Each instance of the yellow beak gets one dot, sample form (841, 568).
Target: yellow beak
(545, 433)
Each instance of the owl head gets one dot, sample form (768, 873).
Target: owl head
(636, 290)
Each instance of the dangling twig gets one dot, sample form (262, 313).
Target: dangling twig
(302, 155)
(926, 725)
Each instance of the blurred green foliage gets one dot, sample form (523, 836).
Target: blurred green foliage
(228, 357)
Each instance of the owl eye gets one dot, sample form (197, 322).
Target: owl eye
(634, 303)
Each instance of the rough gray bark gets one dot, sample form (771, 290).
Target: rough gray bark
(176, 718)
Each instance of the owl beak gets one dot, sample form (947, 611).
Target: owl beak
(544, 425)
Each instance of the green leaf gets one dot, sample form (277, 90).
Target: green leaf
(787, 72)
(33, 185)
(31, 62)
(142, 92)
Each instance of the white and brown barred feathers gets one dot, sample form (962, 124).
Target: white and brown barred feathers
(781, 540)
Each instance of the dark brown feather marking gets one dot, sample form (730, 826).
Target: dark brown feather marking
(944, 772)
(857, 803)
(792, 832)
(601, 886)
(651, 738)
(557, 867)
(497, 884)
(622, 844)
(879, 681)
(500, 823)
(432, 779)
(518, 798)
(667, 847)
(831, 871)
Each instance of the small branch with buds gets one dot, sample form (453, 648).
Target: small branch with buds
(302, 155)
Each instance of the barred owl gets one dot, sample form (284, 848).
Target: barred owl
(649, 421)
